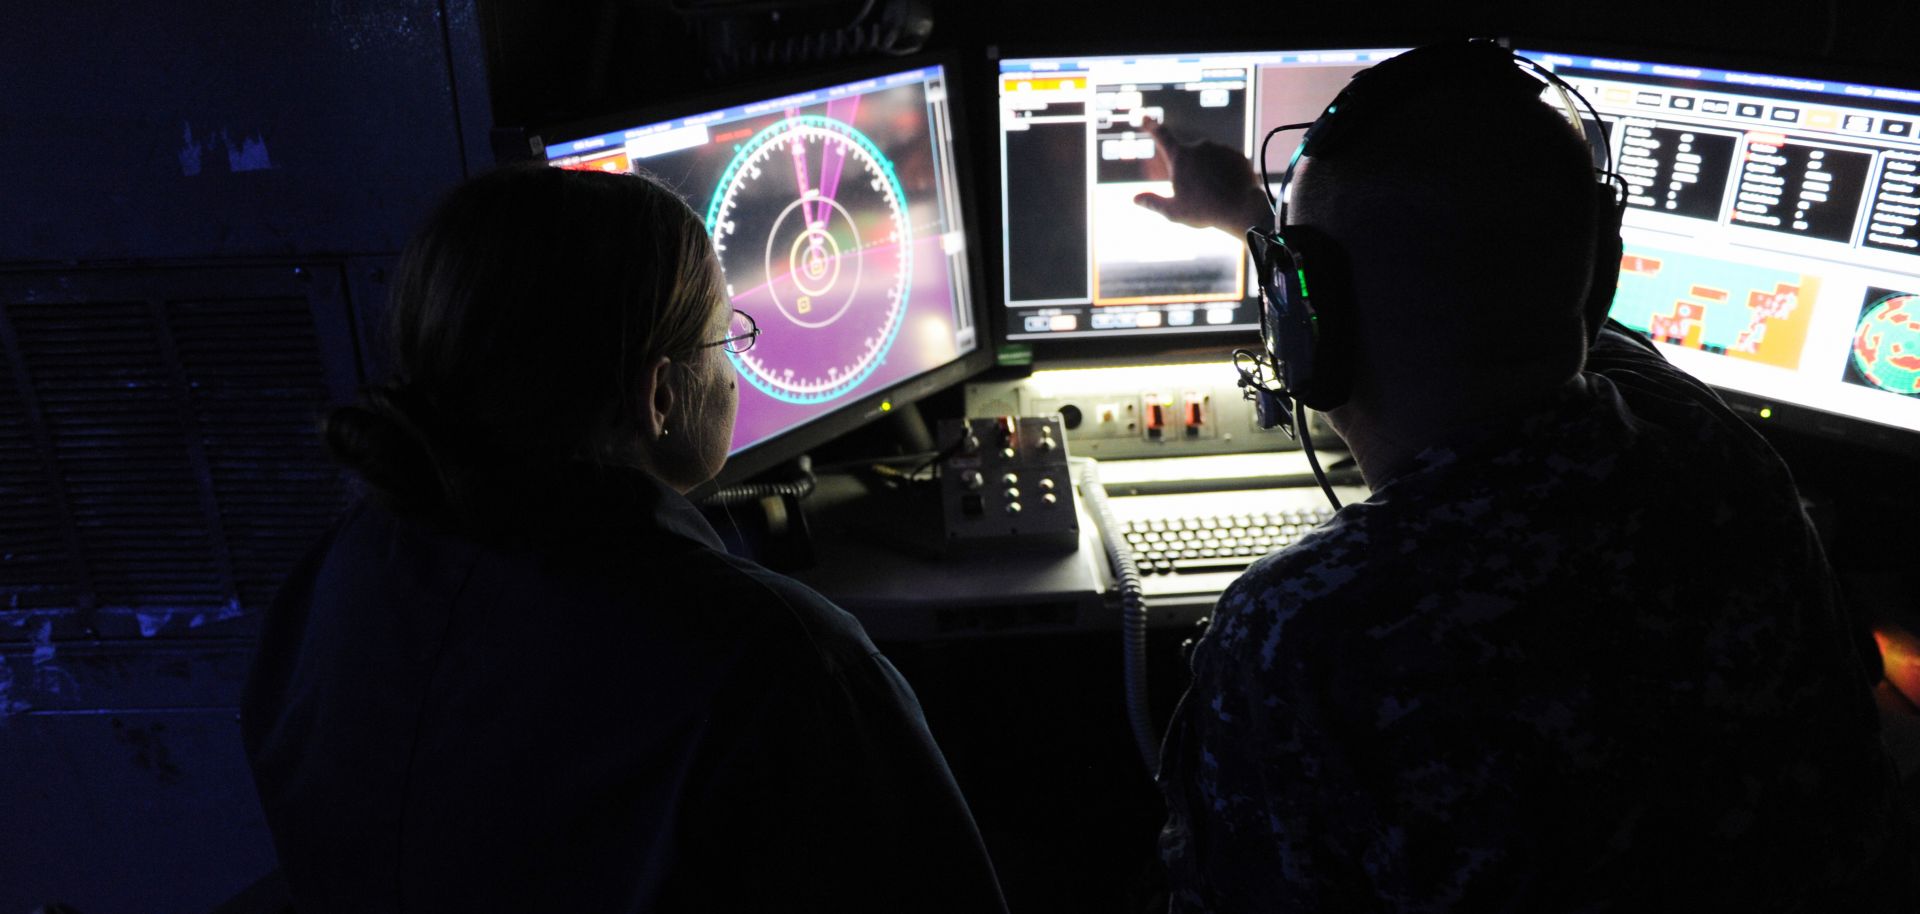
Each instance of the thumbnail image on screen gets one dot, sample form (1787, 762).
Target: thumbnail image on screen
(1080, 257)
(1772, 237)
(836, 216)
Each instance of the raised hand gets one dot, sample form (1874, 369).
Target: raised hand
(1213, 185)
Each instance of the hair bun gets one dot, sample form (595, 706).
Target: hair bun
(384, 439)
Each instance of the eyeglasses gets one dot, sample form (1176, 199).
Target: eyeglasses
(741, 332)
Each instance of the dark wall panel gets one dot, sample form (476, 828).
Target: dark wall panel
(139, 131)
(127, 790)
(194, 194)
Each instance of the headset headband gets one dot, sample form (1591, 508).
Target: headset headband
(1398, 76)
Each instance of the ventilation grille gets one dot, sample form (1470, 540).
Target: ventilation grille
(167, 454)
(258, 394)
(36, 566)
(112, 410)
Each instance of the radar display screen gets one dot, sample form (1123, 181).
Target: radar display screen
(835, 214)
(1772, 233)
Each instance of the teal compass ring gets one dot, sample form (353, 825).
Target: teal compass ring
(811, 225)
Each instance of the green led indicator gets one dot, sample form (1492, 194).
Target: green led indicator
(1302, 276)
(1766, 412)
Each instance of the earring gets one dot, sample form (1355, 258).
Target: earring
(664, 431)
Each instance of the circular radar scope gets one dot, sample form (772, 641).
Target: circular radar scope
(811, 226)
(1886, 344)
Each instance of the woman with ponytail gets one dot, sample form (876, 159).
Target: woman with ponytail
(522, 673)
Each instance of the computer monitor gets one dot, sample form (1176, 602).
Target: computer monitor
(1772, 235)
(1079, 258)
(836, 210)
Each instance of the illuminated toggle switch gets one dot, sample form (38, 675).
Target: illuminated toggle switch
(1046, 485)
(1195, 414)
(1013, 494)
(1156, 417)
(1013, 507)
(1011, 479)
(1049, 499)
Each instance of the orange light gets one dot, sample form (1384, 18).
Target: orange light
(1043, 84)
(1900, 655)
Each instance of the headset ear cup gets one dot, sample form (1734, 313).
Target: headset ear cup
(1323, 370)
(1609, 210)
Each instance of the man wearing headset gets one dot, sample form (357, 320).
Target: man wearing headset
(1580, 650)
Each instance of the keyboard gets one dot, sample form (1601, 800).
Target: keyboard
(1176, 578)
(1195, 544)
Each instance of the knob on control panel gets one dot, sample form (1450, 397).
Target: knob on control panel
(1026, 459)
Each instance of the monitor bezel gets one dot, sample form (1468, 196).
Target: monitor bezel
(1763, 412)
(855, 413)
(1195, 344)
(1720, 59)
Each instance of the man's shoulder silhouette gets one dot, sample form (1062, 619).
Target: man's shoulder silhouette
(1586, 656)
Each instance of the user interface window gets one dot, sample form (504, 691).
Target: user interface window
(1080, 257)
(1773, 229)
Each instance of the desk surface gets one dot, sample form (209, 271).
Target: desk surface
(878, 554)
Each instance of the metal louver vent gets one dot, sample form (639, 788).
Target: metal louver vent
(36, 566)
(159, 452)
(112, 408)
(257, 393)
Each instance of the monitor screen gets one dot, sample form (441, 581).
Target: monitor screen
(1772, 233)
(1079, 257)
(835, 210)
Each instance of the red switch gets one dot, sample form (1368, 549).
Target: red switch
(1008, 427)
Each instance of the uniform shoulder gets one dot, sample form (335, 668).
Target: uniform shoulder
(1331, 564)
(767, 610)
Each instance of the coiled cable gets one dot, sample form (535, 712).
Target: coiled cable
(738, 495)
(1133, 615)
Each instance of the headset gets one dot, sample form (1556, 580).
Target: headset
(1303, 275)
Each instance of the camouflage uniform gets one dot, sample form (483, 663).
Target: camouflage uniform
(1588, 660)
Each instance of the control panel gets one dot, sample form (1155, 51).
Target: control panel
(1142, 411)
(1004, 479)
